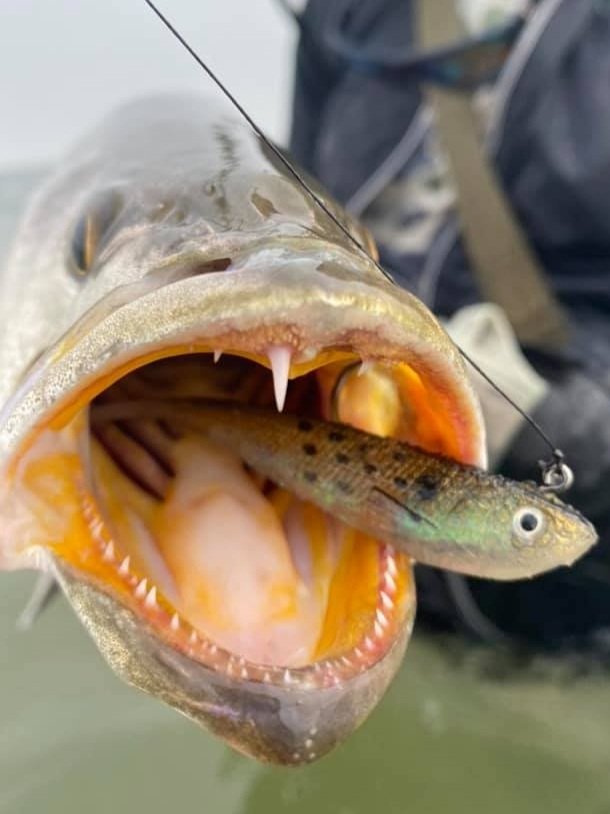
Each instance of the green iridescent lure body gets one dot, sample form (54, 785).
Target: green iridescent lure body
(440, 512)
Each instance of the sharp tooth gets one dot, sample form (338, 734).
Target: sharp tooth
(378, 630)
(141, 589)
(175, 623)
(266, 678)
(151, 598)
(369, 643)
(365, 367)
(390, 583)
(391, 566)
(213, 649)
(381, 617)
(124, 568)
(193, 637)
(217, 355)
(385, 599)
(287, 677)
(109, 552)
(244, 673)
(279, 357)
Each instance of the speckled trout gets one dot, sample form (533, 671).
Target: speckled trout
(434, 509)
(169, 238)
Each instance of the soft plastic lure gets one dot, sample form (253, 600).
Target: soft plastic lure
(437, 510)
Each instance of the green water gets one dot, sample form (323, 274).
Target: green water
(73, 738)
(452, 735)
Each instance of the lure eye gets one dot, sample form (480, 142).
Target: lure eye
(528, 524)
(92, 228)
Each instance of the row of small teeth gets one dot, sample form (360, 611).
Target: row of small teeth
(280, 357)
(235, 666)
(326, 672)
(367, 652)
(148, 596)
(96, 526)
(140, 587)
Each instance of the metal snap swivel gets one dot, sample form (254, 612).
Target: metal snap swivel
(557, 476)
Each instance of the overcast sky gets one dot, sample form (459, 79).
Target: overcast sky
(64, 63)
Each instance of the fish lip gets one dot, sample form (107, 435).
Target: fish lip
(313, 309)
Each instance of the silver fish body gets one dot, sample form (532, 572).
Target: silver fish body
(172, 232)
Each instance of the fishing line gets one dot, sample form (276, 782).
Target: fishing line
(556, 475)
(276, 151)
(526, 416)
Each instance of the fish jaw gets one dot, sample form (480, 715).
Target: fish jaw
(326, 320)
(290, 721)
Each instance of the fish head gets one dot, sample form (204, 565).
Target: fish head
(172, 241)
(511, 530)
(544, 531)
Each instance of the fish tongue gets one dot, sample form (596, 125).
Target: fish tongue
(231, 561)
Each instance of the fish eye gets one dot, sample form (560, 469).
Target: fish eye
(528, 524)
(92, 228)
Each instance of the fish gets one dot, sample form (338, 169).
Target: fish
(172, 252)
(432, 508)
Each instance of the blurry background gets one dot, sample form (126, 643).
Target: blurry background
(65, 63)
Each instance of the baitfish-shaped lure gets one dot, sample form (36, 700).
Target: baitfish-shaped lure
(435, 509)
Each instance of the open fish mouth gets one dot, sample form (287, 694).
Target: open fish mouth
(234, 571)
(245, 608)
